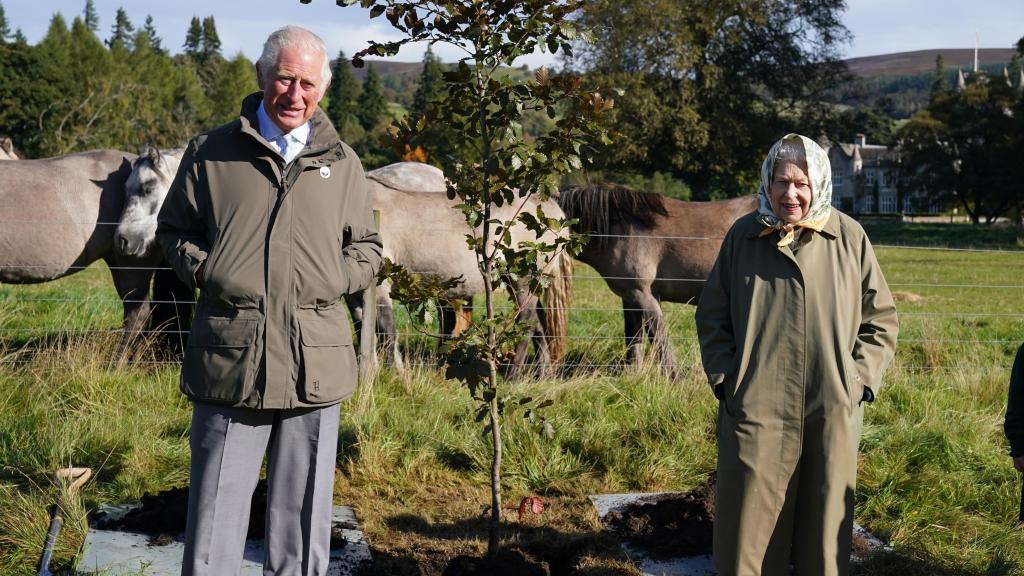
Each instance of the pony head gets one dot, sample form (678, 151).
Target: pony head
(145, 190)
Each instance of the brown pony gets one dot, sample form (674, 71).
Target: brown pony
(650, 248)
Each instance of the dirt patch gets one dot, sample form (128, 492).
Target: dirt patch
(671, 525)
(163, 515)
(907, 297)
(860, 546)
(507, 562)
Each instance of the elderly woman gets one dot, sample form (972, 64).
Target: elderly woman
(796, 326)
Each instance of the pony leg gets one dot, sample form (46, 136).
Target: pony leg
(463, 317)
(173, 305)
(634, 328)
(386, 330)
(354, 302)
(132, 286)
(657, 334)
(526, 314)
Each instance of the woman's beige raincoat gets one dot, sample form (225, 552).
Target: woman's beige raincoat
(793, 334)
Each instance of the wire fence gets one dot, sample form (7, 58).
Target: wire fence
(16, 297)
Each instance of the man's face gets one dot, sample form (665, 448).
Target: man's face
(291, 89)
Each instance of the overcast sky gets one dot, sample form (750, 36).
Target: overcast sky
(878, 26)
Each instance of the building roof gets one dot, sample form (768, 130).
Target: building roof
(868, 155)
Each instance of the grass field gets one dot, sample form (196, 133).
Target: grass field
(934, 480)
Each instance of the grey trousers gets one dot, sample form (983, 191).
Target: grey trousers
(228, 445)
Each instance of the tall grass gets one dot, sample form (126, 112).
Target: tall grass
(935, 480)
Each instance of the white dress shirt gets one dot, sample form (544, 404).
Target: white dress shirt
(287, 145)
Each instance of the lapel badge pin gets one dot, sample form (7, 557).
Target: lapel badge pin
(325, 171)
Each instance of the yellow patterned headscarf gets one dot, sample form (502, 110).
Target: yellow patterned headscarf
(819, 171)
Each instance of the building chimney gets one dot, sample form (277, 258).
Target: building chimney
(860, 140)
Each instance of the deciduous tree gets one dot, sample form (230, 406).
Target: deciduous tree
(965, 150)
(484, 107)
(724, 80)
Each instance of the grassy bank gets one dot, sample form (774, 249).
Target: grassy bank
(935, 480)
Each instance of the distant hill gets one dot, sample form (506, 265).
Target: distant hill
(902, 81)
(388, 68)
(919, 61)
(400, 79)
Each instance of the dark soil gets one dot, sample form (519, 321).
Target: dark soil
(860, 545)
(680, 525)
(162, 516)
(669, 526)
(507, 562)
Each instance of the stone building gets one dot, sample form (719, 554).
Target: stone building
(864, 177)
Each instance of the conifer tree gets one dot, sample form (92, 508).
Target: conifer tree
(342, 94)
(435, 138)
(938, 78)
(55, 45)
(210, 45)
(92, 21)
(5, 29)
(234, 80)
(150, 30)
(122, 31)
(193, 38)
(431, 86)
(372, 106)
(19, 37)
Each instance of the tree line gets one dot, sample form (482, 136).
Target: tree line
(701, 91)
(75, 90)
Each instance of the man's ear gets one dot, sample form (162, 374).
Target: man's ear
(259, 76)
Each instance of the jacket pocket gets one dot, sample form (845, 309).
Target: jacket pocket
(210, 261)
(220, 361)
(851, 381)
(328, 367)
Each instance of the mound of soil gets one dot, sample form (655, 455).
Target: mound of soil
(671, 525)
(163, 515)
(165, 512)
(507, 562)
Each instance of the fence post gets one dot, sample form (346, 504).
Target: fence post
(368, 330)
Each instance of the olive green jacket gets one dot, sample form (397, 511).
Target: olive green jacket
(771, 323)
(279, 245)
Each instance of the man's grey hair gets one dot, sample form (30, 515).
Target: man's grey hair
(792, 150)
(293, 36)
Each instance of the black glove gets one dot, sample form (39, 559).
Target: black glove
(719, 391)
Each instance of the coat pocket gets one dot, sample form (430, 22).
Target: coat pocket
(220, 361)
(852, 381)
(328, 368)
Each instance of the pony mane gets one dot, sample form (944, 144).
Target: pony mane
(601, 206)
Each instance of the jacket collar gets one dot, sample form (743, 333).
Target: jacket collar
(831, 229)
(323, 144)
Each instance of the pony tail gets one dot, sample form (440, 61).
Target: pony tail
(557, 298)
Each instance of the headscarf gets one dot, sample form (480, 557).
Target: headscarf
(819, 172)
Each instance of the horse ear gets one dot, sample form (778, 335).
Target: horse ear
(153, 153)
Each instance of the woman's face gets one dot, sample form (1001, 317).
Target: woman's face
(790, 192)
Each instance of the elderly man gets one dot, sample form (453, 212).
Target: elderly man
(268, 216)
